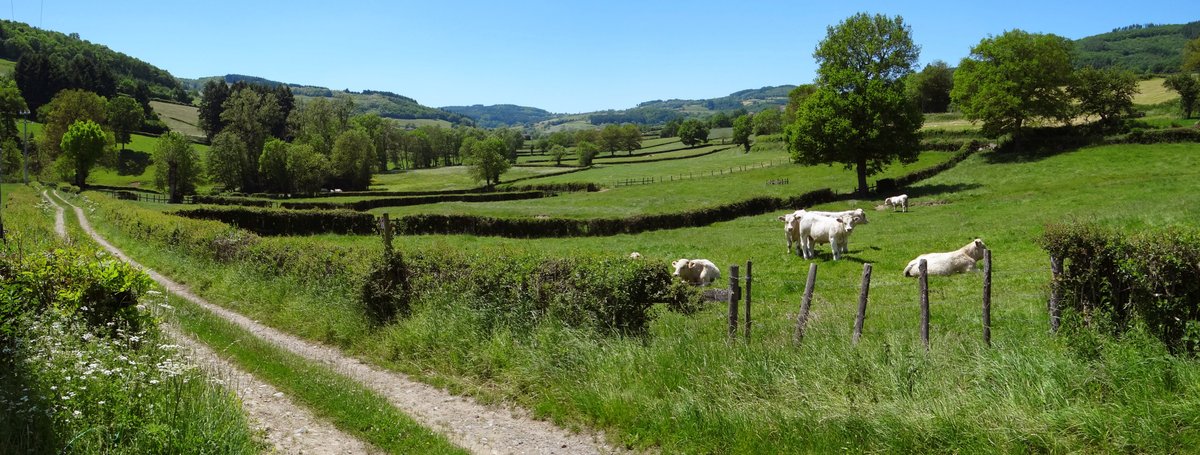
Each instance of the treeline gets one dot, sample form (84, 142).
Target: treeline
(263, 140)
(66, 61)
(501, 115)
(1144, 49)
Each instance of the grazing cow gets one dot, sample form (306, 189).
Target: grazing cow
(816, 229)
(897, 202)
(635, 255)
(957, 261)
(792, 234)
(696, 271)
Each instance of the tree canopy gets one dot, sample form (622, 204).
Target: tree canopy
(83, 145)
(486, 159)
(742, 130)
(1013, 79)
(125, 115)
(1105, 93)
(931, 87)
(693, 132)
(176, 166)
(1188, 87)
(859, 114)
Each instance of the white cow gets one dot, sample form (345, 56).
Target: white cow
(792, 234)
(696, 271)
(896, 202)
(635, 255)
(957, 261)
(817, 229)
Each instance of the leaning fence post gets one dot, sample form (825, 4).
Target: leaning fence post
(385, 226)
(1055, 292)
(735, 294)
(862, 303)
(923, 279)
(987, 297)
(806, 304)
(749, 279)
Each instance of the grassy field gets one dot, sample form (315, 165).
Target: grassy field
(1151, 91)
(184, 119)
(684, 388)
(7, 66)
(144, 179)
(446, 178)
(679, 195)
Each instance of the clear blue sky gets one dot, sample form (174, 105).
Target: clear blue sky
(559, 55)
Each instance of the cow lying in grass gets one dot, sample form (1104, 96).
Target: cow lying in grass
(958, 261)
(696, 271)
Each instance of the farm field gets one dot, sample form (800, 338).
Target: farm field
(670, 196)
(1151, 91)
(447, 178)
(184, 119)
(684, 388)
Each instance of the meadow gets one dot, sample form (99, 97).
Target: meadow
(683, 387)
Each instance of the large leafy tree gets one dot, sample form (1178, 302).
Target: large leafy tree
(1188, 88)
(931, 87)
(610, 139)
(631, 138)
(796, 98)
(319, 122)
(1105, 93)
(212, 102)
(83, 145)
(176, 165)
(273, 167)
(308, 169)
(11, 106)
(124, 115)
(486, 159)
(352, 159)
(859, 114)
(742, 130)
(229, 162)
(1013, 79)
(39, 79)
(769, 121)
(68, 107)
(693, 132)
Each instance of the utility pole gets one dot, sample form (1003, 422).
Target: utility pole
(25, 146)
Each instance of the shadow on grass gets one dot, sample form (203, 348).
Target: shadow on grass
(927, 190)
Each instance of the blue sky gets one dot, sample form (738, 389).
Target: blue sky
(562, 56)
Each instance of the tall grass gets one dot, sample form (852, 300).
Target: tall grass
(70, 382)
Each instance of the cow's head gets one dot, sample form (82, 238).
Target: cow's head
(679, 265)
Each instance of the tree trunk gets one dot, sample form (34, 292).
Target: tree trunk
(862, 176)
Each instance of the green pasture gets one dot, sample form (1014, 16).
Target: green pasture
(145, 179)
(671, 196)
(1151, 91)
(7, 67)
(685, 388)
(447, 178)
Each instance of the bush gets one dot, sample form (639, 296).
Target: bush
(1112, 279)
(386, 292)
(1157, 136)
(269, 221)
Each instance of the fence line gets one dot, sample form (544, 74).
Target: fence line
(709, 173)
(142, 197)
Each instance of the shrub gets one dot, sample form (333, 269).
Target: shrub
(386, 292)
(269, 221)
(223, 200)
(1112, 279)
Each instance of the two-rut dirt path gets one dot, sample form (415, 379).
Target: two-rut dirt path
(471, 425)
(288, 427)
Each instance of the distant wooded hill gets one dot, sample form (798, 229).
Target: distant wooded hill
(1145, 49)
(68, 51)
(501, 115)
(386, 104)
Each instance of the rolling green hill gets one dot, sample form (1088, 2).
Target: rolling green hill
(17, 39)
(386, 104)
(501, 115)
(1146, 49)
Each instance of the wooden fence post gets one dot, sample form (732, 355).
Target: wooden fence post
(806, 304)
(749, 279)
(735, 294)
(923, 279)
(1055, 292)
(862, 303)
(987, 297)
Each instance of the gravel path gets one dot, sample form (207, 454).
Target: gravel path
(288, 427)
(476, 427)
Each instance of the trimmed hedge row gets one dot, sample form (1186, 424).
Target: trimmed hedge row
(369, 204)
(224, 200)
(123, 188)
(672, 158)
(1162, 136)
(610, 295)
(565, 227)
(1112, 278)
(964, 151)
(265, 221)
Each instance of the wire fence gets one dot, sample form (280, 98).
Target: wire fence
(704, 174)
(144, 197)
